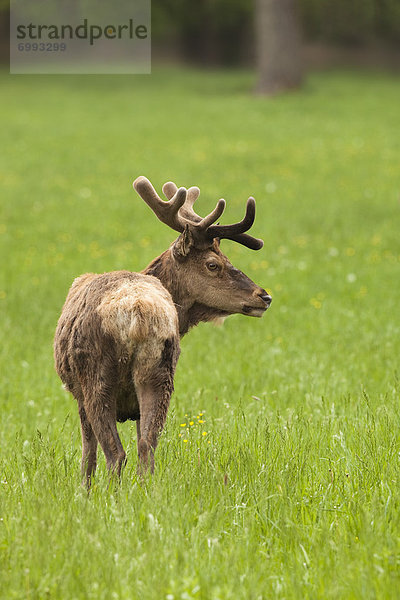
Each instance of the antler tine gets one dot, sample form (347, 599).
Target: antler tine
(206, 223)
(236, 231)
(167, 212)
(192, 195)
(236, 228)
(169, 189)
(188, 215)
(247, 240)
(186, 212)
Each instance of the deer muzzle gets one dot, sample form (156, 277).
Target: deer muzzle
(262, 301)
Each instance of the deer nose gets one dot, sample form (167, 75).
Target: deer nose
(265, 297)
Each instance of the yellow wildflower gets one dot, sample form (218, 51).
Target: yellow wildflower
(315, 303)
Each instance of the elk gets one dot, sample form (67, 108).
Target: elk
(117, 340)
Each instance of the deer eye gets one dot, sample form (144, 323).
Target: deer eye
(212, 266)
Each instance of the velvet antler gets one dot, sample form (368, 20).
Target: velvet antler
(177, 212)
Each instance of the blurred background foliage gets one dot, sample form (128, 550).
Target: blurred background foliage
(221, 32)
(351, 21)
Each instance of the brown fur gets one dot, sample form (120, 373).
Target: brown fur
(117, 340)
(116, 348)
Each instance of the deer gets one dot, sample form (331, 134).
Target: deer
(117, 341)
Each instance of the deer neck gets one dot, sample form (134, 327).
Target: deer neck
(163, 267)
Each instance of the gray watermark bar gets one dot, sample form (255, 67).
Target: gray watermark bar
(80, 36)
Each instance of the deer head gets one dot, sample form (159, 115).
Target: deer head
(200, 276)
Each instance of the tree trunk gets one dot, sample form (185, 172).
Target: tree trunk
(278, 46)
(4, 34)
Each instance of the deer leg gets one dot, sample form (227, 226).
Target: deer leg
(154, 383)
(153, 402)
(89, 448)
(100, 409)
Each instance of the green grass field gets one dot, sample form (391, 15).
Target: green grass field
(284, 480)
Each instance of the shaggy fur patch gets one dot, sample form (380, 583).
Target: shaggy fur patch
(138, 311)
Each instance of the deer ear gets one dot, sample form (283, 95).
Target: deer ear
(183, 244)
